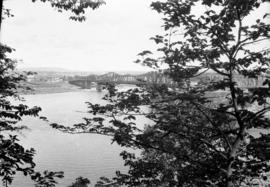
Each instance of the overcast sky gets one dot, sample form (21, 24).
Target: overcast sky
(109, 40)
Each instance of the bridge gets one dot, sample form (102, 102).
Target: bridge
(99, 81)
(87, 84)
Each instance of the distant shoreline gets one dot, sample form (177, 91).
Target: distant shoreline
(61, 87)
(49, 88)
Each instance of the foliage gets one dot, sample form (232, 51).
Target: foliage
(80, 182)
(77, 7)
(13, 156)
(193, 139)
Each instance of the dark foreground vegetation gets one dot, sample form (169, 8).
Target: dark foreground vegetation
(191, 141)
(14, 157)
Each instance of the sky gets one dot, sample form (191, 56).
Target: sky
(109, 39)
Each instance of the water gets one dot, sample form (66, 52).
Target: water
(87, 155)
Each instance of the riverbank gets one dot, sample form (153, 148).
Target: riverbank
(47, 88)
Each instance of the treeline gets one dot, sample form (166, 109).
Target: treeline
(242, 81)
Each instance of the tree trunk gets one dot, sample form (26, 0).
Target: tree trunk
(233, 155)
(1, 10)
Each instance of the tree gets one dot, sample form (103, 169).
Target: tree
(196, 137)
(80, 182)
(13, 156)
(76, 7)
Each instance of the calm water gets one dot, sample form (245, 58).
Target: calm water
(85, 155)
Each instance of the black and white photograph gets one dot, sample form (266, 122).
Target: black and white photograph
(134, 93)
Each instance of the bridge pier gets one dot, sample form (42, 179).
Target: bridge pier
(99, 87)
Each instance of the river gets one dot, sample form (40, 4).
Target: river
(87, 155)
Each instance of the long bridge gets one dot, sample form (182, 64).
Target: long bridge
(99, 81)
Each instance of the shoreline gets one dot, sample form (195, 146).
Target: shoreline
(49, 88)
(60, 87)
